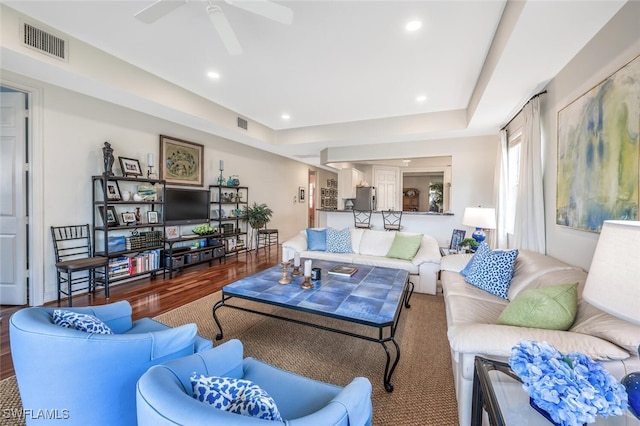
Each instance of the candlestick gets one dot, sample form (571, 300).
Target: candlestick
(306, 284)
(296, 259)
(285, 279)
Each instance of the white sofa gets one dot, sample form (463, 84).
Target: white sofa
(472, 329)
(370, 248)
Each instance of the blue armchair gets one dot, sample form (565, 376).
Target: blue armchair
(86, 378)
(164, 393)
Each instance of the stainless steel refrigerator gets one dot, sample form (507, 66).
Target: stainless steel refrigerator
(365, 198)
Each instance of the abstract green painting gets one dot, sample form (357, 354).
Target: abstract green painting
(598, 154)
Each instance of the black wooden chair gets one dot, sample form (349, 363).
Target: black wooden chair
(362, 219)
(74, 253)
(266, 238)
(392, 219)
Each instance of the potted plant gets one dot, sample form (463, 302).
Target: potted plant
(258, 215)
(468, 243)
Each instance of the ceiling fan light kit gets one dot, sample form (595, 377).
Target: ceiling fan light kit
(264, 8)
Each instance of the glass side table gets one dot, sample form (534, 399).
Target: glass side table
(498, 398)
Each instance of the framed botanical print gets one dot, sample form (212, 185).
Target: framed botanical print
(181, 162)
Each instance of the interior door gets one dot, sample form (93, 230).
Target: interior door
(387, 183)
(13, 257)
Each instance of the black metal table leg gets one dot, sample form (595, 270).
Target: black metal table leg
(218, 304)
(388, 372)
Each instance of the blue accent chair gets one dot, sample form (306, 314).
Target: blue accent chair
(86, 378)
(164, 393)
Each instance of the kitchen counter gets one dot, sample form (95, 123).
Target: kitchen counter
(438, 225)
(380, 211)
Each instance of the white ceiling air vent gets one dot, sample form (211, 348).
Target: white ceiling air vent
(242, 123)
(44, 42)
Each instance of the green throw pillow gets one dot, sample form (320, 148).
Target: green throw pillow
(551, 308)
(405, 246)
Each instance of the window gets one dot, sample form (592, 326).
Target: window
(513, 154)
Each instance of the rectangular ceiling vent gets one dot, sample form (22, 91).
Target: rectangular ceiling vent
(242, 123)
(44, 42)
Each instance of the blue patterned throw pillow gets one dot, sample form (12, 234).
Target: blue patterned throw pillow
(82, 322)
(235, 395)
(492, 270)
(316, 239)
(339, 241)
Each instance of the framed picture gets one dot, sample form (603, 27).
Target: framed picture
(113, 191)
(181, 162)
(152, 216)
(598, 154)
(129, 217)
(172, 232)
(130, 166)
(110, 217)
(301, 194)
(458, 235)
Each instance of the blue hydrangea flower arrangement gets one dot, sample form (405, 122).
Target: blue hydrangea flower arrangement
(572, 388)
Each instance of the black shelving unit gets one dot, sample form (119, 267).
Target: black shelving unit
(227, 205)
(177, 258)
(133, 249)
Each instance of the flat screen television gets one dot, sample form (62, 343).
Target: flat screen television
(186, 206)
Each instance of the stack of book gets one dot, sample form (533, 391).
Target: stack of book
(124, 266)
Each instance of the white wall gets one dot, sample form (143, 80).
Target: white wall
(75, 127)
(614, 46)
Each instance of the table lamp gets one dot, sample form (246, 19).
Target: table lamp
(612, 284)
(481, 219)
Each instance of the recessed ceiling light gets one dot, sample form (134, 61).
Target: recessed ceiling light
(421, 98)
(413, 25)
(213, 74)
(285, 116)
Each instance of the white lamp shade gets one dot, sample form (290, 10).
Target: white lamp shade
(479, 217)
(613, 282)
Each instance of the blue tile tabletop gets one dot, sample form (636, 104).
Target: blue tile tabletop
(371, 295)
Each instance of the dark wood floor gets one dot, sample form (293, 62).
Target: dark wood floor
(149, 297)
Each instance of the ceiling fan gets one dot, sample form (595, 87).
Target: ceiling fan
(264, 8)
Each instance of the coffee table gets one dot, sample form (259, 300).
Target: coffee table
(373, 296)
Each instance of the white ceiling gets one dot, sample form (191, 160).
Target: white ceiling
(348, 61)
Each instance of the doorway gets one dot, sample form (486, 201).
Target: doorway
(311, 197)
(14, 202)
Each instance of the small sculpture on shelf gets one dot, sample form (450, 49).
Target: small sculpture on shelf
(107, 153)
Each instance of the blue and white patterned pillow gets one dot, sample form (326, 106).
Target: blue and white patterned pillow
(235, 395)
(339, 241)
(82, 322)
(492, 270)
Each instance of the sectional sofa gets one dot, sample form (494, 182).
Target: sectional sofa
(371, 247)
(473, 315)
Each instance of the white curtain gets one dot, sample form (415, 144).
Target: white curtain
(529, 226)
(500, 192)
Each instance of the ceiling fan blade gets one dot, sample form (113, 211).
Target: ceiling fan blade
(222, 26)
(265, 8)
(157, 10)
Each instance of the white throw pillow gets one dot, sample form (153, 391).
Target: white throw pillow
(376, 243)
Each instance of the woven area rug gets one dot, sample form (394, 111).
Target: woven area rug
(423, 381)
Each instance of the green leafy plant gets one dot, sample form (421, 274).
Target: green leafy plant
(258, 215)
(468, 242)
